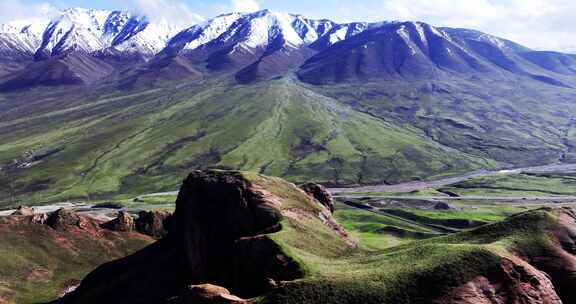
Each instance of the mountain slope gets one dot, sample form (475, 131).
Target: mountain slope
(106, 41)
(256, 46)
(284, 95)
(89, 31)
(277, 127)
(417, 51)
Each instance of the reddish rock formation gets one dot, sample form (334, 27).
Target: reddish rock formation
(320, 193)
(221, 232)
(516, 282)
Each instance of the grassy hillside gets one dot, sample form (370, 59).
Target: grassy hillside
(387, 269)
(37, 263)
(504, 120)
(415, 272)
(90, 145)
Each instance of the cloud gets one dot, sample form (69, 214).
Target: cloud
(176, 12)
(540, 24)
(245, 6)
(15, 10)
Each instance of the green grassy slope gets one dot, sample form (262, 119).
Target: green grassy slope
(102, 145)
(379, 231)
(391, 275)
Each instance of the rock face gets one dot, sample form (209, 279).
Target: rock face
(516, 282)
(219, 234)
(320, 193)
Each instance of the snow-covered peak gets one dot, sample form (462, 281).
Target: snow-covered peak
(22, 37)
(89, 31)
(256, 30)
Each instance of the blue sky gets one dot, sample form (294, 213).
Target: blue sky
(539, 24)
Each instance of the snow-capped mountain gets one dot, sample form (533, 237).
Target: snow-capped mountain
(258, 46)
(263, 29)
(98, 30)
(88, 31)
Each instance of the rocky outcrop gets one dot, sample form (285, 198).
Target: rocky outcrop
(62, 219)
(124, 222)
(153, 223)
(219, 234)
(320, 193)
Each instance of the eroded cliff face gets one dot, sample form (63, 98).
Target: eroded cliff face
(220, 234)
(515, 282)
(558, 261)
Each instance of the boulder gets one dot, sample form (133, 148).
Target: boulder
(320, 193)
(24, 211)
(153, 223)
(442, 206)
(124, 222)
(207, 294)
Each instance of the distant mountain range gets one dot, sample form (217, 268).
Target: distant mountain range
(117, 102)
(265, 43)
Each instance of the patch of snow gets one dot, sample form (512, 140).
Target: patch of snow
(338, 35)
(421, 33)
(406, 37)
